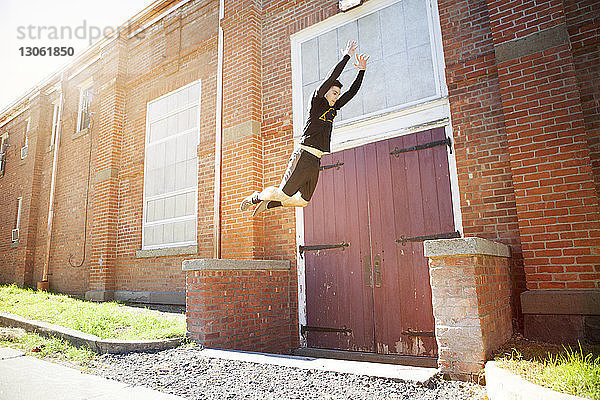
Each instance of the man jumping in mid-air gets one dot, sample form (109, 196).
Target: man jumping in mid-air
(300, 178)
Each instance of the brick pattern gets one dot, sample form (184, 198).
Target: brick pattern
(487, 198)
(240, 309)
(583, 23)
(471, 307)
(557, 206)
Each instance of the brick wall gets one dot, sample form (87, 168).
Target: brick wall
(557, 206)
(241, 309)
(470, 286)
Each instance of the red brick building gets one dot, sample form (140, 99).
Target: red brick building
(476, 118)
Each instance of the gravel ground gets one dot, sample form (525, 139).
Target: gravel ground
(185, 372)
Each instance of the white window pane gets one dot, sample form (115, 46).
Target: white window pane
(369, 36)
(160, 181)
(180, 205)
(190, 203)
(373, 88)
(393, 30)
(159, 212)
(168, 233)
(194, 93)
(397, 82)
(191, 145)
(170, 155)
(178, 231)
(193, 117)
(169, 179)
(310, 66)
(354, 107)
(345, 33)
(149, 235)
(170, 207)
(417, 28)
(420, 67)
(158, 234)
(172, 125)
(171, 103)
(191, 179)
(190, 230)
(181, 149)
(180, 175)
(158, 130)
(182, 98)
(150, 211)
(328, 53)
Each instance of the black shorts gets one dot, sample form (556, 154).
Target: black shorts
(301, 175)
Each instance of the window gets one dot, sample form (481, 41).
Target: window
(55, 122)
(83, 113)
(404, 86)
(3, 146)
(171, 169)
(26, 141)
(15, 232)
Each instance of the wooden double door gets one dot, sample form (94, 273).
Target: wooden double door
(367, 280)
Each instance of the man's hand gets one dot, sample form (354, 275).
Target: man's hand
(350, 49)
(361, 61)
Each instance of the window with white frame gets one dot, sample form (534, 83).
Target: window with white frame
(402, 71)
(3, 146)
(25, 146)
(55, 121)
(15, 232)
(171, 169)
(83, 112)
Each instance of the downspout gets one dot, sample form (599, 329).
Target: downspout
(44, 284)
(218, 140)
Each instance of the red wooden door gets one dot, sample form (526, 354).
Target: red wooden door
(374, 295)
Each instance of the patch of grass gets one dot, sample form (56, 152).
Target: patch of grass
(108, 320)
(574, 371)
(53, 348)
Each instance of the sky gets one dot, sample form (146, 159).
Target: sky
(42, 23)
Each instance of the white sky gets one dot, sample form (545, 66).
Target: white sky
(19, 73)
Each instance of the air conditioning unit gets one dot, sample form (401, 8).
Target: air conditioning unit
(346, 5)
(15, 235)
(23, 152)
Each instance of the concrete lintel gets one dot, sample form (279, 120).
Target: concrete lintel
(465, 246)
(219, 264)
(106, 173)
(177, 298)
(240, 131)
(534, 43)
(561, 301)
(172, 251)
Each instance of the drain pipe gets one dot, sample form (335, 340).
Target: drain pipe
(218, 140)
(44, 284)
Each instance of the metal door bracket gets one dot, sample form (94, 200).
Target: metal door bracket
(429, 145)
(344, 330)
(447, 235)
(316, 247)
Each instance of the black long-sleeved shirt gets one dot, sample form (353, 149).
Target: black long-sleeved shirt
(317, 131)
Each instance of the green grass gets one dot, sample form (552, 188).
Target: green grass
(49, 348)
(574, 371)
(108, 320)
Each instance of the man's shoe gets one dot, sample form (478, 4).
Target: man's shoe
(262, 206)
(248, 201)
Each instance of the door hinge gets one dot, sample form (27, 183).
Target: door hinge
(316, 247)
(411, 332)
(306, 328)
(429, 145)
(336, 165)
(447, 235)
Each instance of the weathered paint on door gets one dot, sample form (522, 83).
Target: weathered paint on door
(377, 288)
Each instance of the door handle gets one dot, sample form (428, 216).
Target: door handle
(377, 270)
(367, 271)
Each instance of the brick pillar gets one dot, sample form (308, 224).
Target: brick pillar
(109, 103)
(242, 113)
(557, 205)
(38, 135)
(239, 304)
(470, 286)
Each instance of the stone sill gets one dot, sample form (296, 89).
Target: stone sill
(171, 251)
(221, 264)
(79, 133)
(465, 246)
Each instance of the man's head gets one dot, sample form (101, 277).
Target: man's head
(333, 93)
